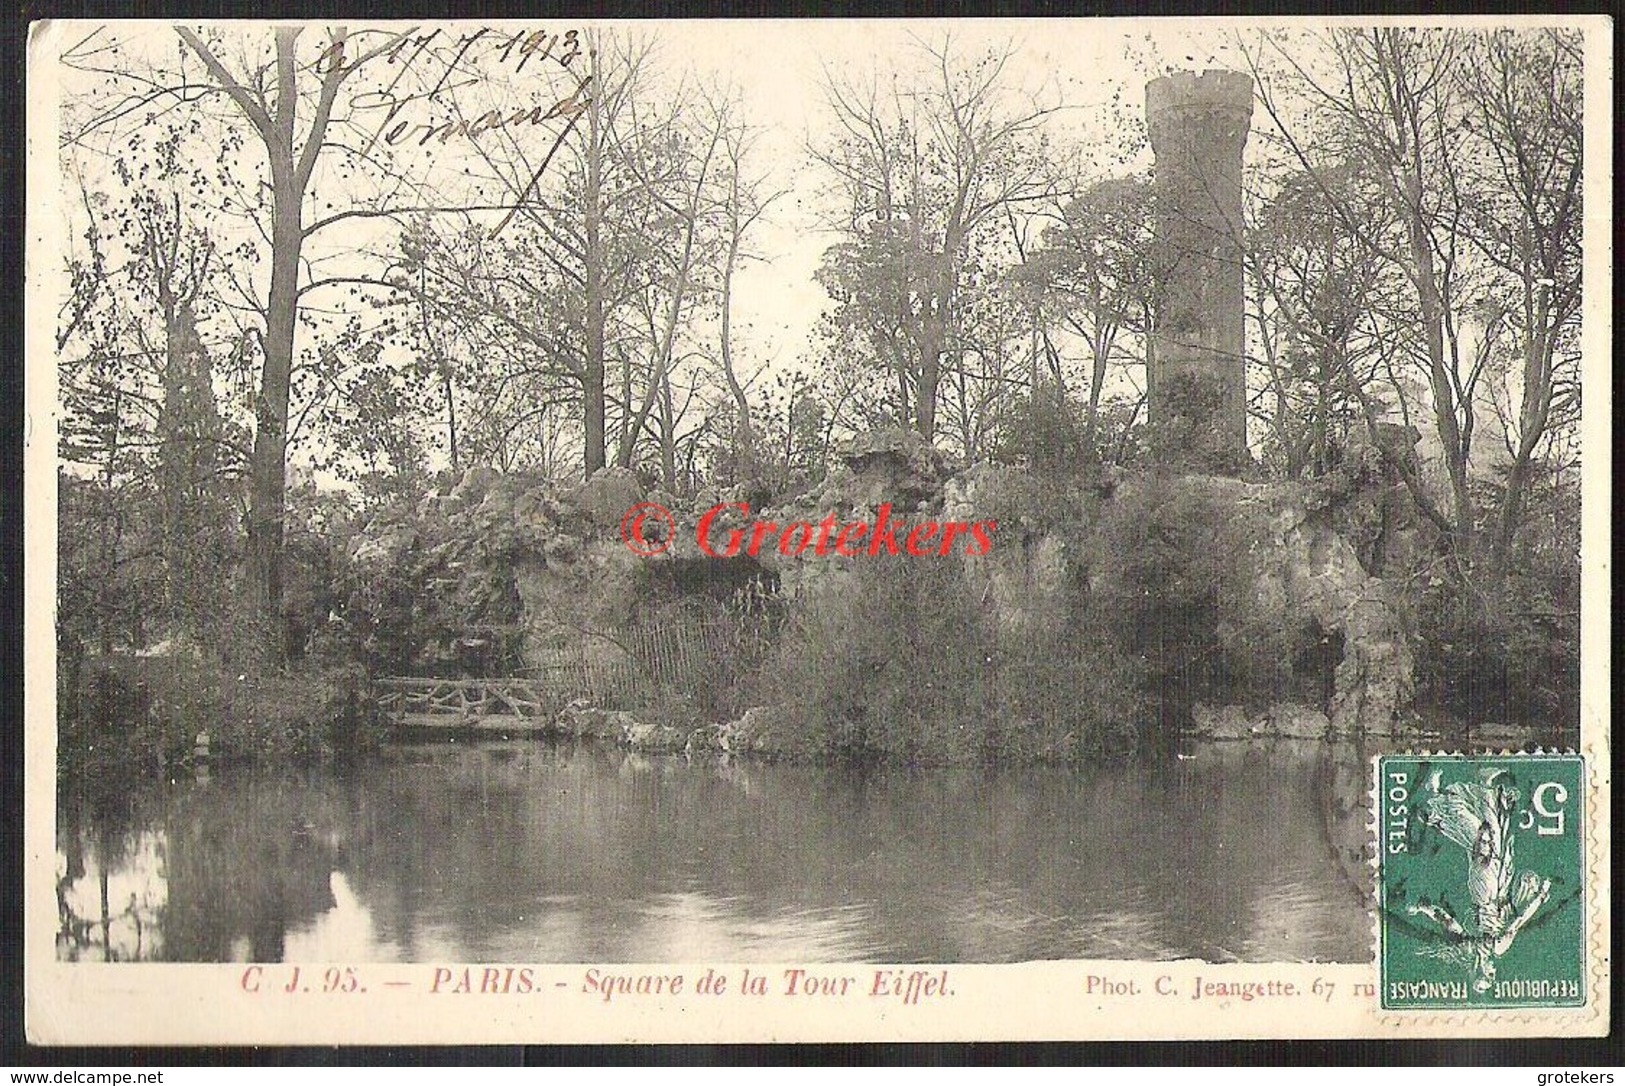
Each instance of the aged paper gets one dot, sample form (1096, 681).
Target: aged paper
(367, 237)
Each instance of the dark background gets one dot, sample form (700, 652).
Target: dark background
(1543, 1053)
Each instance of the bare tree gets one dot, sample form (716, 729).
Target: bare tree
(1096, 275)
(1525, 94)
(314, 110)
(744, 202)
(1470, 145)
(922, 174)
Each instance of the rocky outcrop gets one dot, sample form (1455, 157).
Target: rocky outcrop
(1376, 678)
(1291, 566)
(604, 499)
(1287, 720)
(758, 731)
(894, 465)
(583, 721)
(1301, 553)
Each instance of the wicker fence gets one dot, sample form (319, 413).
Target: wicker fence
(678, 650)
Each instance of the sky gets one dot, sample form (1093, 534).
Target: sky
(780, 68)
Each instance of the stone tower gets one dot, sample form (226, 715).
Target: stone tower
(1197, 377)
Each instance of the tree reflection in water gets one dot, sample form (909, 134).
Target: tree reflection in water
(214, 870)
(531, 852)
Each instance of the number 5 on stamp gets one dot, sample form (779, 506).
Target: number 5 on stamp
(1481, 881)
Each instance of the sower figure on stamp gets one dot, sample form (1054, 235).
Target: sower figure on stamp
(1478, 817)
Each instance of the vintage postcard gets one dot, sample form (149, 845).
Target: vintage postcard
(591, 531)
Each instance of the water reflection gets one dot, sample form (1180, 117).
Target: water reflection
(530, 852)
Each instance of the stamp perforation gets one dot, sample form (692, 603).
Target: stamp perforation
(1592, 935)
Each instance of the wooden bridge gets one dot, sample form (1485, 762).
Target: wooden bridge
(640, 666)
(506, 705)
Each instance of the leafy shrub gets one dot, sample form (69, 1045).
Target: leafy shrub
(1032, 502)
(1065, 692)
(442, 604)
(904, 662)
(889, 663)
(111, 726)
(144, 715)
(1168, 542)
(1178, 579)
(1046, 430)
(1507, 657)
(1187, 434)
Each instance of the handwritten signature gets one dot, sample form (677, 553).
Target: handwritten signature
(395, 131)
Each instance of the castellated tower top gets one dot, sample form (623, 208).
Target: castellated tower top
(1215, 104)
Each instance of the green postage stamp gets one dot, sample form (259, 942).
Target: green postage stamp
(1481, 881)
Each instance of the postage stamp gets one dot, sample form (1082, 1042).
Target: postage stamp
(1481, 881)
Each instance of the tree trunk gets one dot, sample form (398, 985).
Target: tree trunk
(935, 320)
(1444, 400)
(112, 526)
(1534, 413)
(744, 439)
(268, 478)
(1407, 190)
(933, 341)
(668, 441)
(268, 469)
(1517, 492)
(925, 415)
(1100, 346)
(592, 389)
(592, 381)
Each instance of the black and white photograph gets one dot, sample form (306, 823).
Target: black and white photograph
(848, 509)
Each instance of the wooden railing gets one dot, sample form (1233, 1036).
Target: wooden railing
(686, 646)
(466, 703)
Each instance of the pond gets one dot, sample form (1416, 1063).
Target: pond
(531, 852)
